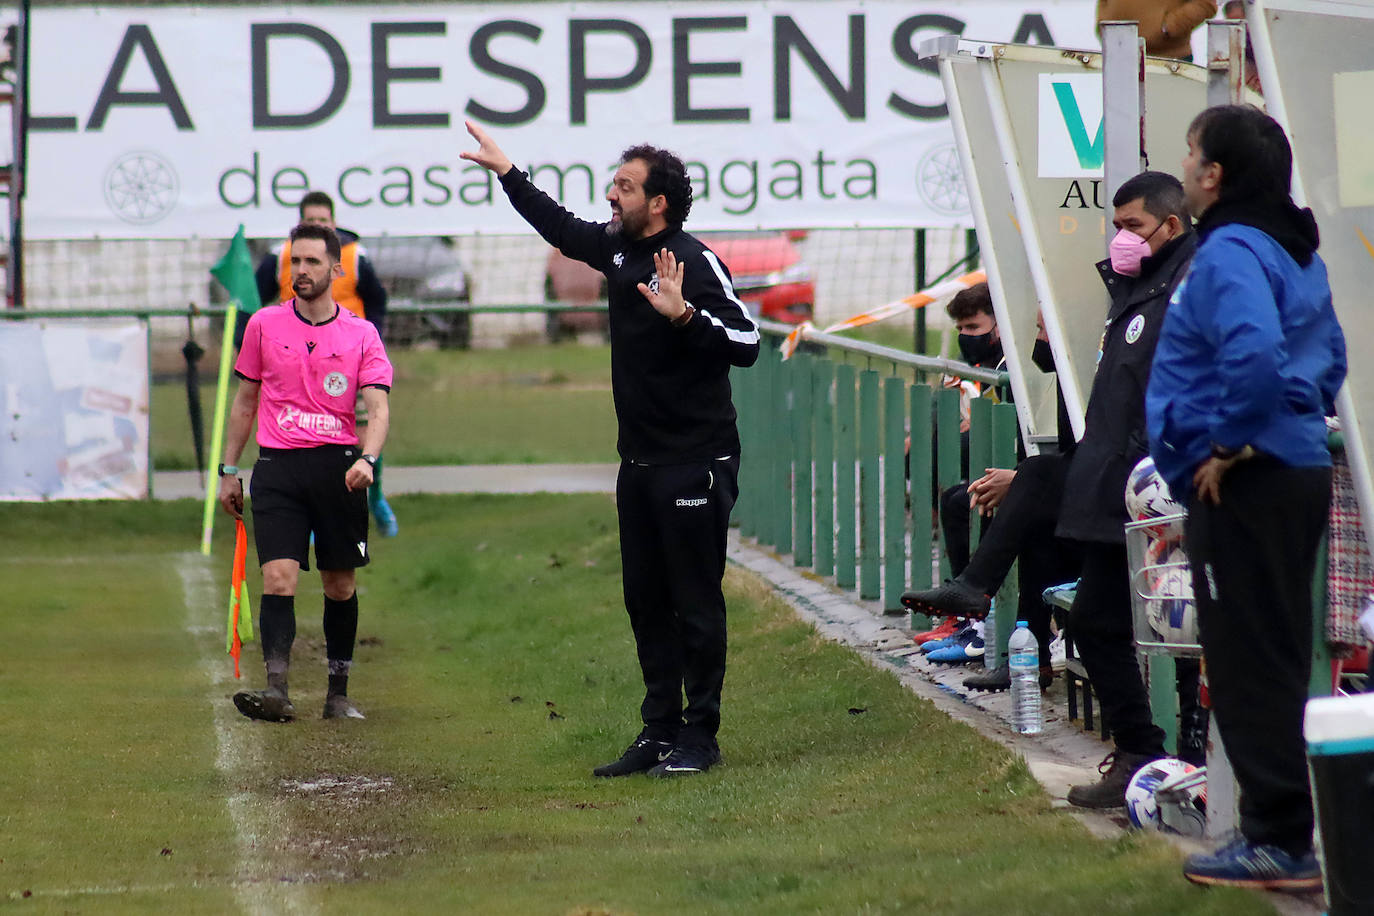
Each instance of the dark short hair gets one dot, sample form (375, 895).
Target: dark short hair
(317, 199)
(667, 176)
(1161, 193)
(969, 302)
(323, 233)
(1250, 147)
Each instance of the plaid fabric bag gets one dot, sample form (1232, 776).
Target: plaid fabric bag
(1350, 573)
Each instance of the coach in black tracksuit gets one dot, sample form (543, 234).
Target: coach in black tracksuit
(1149, 258)
(676, 329)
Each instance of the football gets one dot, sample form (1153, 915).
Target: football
(1147, 495)
(1141, 808)
(1171, 610)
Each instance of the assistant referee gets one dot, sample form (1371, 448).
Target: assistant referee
(676, 329)
(300, 369)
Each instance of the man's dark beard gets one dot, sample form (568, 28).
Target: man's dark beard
(621, 225)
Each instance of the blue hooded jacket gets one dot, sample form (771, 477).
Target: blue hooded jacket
(1250, 352)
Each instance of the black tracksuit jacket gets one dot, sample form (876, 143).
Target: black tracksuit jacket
(1114, 438)
(671, 385)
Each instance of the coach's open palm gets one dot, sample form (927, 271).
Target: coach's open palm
(666, 298)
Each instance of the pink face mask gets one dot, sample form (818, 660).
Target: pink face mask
(1127, 250)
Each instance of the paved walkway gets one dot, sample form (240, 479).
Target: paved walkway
(473, 478)
(1061, 756)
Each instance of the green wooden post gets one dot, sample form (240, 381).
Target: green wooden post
(1163, 686)
(823, 404)
(870, 545)
(763, 448)
(744, 385)
(774, 468)
(801, 458)
(845, 458)
(782, 467)
(894, 494)
(979, 457)
(1004, 429)
(947, 463)
(922, 535)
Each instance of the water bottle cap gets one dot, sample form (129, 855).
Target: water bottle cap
(1022, 623)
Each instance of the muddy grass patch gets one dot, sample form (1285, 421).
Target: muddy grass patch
(340, 825)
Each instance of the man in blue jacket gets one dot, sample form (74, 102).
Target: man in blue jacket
(1249, 361)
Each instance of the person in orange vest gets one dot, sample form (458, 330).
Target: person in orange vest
(358, 289)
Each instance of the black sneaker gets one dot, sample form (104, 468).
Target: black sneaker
(1116, 768)
(954, 598)
(686, 759)
(999, 678)
(270, 705)
(640, 757)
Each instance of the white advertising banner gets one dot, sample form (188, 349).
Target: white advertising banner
(170, 122)
(75, 422)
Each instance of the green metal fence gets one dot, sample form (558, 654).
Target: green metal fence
(827, 475)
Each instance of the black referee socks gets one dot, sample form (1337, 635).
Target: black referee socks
(277, 626)
(340, 633)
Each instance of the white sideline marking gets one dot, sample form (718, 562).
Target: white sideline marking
(258, 890)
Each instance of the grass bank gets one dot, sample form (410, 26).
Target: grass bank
(520, 405)
(496, 669)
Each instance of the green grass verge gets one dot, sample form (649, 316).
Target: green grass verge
(496, 668)
(456, 407)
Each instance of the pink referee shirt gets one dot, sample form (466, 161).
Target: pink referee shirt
(310, 374)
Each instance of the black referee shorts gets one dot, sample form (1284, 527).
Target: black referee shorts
(297, 491)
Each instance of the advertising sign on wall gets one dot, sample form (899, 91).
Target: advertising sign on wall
(75, 423)
(183, 121)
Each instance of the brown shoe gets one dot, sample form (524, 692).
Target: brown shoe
(1116, 768)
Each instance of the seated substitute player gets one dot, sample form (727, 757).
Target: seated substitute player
(300, 370)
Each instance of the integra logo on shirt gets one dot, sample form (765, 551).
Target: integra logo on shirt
(292, 418)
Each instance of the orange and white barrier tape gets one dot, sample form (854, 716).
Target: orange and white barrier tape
(882, 312)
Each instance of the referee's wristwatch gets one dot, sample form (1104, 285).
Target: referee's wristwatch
(370, 459)
(228, 470)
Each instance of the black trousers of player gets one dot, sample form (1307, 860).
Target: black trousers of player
(673, 524)
(1253, 558)
(1100, 625)
(1023, 530)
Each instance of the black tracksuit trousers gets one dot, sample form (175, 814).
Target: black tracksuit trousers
(1253, 559)
(1100, 625)
(1023, 530)
(673, 524)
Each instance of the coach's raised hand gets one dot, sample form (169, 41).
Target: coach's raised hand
(488, 154)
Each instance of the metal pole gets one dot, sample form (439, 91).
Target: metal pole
(1225, 61)
(1123, 108)
(919, 345)
(19, 109)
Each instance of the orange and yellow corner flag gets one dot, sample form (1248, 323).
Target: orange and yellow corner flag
(240, 613)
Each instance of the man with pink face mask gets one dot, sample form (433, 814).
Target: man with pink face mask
(1149, 255)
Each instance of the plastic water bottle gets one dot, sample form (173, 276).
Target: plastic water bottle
(1023, 655)
(990, 635)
